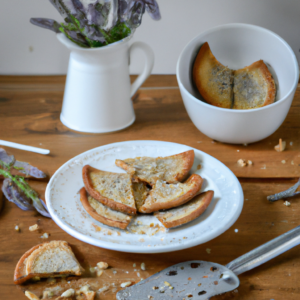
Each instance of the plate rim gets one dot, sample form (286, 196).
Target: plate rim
(133, 248)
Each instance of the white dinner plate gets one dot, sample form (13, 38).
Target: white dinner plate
(145, 234)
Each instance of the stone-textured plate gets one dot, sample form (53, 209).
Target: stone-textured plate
(145, 234)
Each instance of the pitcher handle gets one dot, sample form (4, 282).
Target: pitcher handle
(149, 55)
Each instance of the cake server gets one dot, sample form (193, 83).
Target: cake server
(199, 279)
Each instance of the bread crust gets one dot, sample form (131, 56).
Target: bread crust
(212, 79)
(20, 270)
(92, 212)
(262, 69)
(194, 181)
(86, 170)
(186, 157)
(206, 199)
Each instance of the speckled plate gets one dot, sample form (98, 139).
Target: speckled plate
(145, 234)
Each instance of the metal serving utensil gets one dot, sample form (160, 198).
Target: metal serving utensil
(202, 279)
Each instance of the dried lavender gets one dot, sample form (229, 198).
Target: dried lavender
(96, 23)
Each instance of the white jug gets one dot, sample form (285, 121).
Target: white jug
(98, 92)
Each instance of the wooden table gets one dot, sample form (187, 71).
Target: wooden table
(29, 114)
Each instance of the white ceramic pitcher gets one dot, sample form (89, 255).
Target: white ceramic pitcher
(98, 92)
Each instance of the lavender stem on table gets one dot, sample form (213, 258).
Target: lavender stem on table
(291, 192)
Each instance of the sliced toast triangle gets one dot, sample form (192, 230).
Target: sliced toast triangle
(102, 213)
(187, 212)
(50, 259)
(165, 196)
(254, 86)
(212, 79)
(111, 189)
(171, 169)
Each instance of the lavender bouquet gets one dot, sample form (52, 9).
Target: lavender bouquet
(96, 23)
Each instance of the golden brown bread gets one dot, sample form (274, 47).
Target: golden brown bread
(140, 192)
(254, 86)
(111, 189)
(171, 169)
(187, 212)
(247, 88)
(165, 196)
(51, 259)
(212, 79)
(103, 214)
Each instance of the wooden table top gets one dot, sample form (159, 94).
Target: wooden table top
(29, 114)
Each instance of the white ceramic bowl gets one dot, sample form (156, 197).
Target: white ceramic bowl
(237, 46)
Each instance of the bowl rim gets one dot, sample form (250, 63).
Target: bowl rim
(242, 25)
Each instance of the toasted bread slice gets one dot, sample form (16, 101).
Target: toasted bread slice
(111, 189)
(164, 196)
(254, 86)
(213, 80)
(171, 169)
(140, 192)
(102, 213)
(187, 212)
(51, 259)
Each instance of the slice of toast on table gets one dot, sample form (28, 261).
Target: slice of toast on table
(165, 196)
(111, 189)
(254, 86)
(212, 79)
(51, 259)
(187, 212)
(102, 213)
(171, 169)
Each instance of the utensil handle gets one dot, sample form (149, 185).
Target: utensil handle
(267, 251)
(24, 147)
(148, 65)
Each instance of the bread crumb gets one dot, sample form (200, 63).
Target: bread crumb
(17, 228)
(103, 289)
(99, 272)
(138, 274)
(283, 161)
(292, 162)
(126, 284)
(167, 283)
(249, 162)
(291, 143)
(97, 228)
(47, 294)
(208, 250)
(45, 235)
(241, 162)
(287, 203)
(264, 167)
(31, 296)
(93, 270)
(143, 266)
(237, 150)
(199, 167)
(34, 227)
(114, 271)
(68, 293)
(171, 288)
(134, 265)
(281, 146)
(102, 265)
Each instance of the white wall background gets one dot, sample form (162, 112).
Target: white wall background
(27, 49)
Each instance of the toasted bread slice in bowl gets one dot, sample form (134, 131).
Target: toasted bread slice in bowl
(111, 189)
(102, 213)
(254, 86)
(171, 169)
(187, 212)
(212, 79)
(51, 259)
(165, 196)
